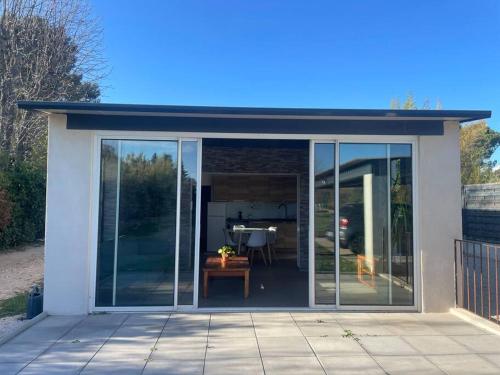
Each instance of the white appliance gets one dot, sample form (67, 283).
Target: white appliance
(216, 222)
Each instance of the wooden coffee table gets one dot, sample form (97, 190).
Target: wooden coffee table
(235, 267)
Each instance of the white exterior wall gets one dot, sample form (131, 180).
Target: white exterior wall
(440, 216)
(68, 232)
(67, 219)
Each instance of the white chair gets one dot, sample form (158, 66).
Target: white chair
(257, 241)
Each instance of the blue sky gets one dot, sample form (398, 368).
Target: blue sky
(336, 54)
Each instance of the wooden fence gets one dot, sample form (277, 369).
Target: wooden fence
(481, 212)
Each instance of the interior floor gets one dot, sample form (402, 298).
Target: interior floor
(280, 285)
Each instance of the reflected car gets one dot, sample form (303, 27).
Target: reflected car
(351, 227)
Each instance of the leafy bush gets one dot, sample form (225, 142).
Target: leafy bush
(23, 187)
(5, 209)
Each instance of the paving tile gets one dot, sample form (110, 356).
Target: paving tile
(365, 327)
(187, 327)
(295, 365)
(456, 328)
(107, 320)
(493, 358)
(387, 345)
(284, 347)
(395, 317)
(180, 318)
(265, 317)
(150, 319)
(174, 367)
(407, 365)
(124, 367)
(437, 317)
(88, 334)
(69, 352)
(60, 321)
(66, 368)
(185, 330)
(113, 351)
(315, 329)
(231, 329)
(277, 330)
(314, 317)
(463, 364)
(436, 345)
(174, 348)
(11, 368)
(41, 334)
(346, 365)
(232, 317)
(353, 316)
(479, 343)
(414, 328)
(241, 347)
(21, 353)
(137, 332)
(231, 366)
(335, 346)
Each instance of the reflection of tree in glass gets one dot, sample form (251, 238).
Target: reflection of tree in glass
(400, 204)
(148, 191)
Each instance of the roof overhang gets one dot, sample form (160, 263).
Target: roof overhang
(103, 116)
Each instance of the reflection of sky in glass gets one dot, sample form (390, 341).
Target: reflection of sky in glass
(359, 151)
(400, 150)
(149, 148)
(324, 157)
(189, 155)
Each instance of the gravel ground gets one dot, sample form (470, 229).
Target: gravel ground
(10, 323)
(19, 269)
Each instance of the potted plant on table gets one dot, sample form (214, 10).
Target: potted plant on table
(225, 252)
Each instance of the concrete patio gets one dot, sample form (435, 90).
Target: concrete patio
(256, 343)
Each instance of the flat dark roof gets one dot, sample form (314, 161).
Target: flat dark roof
(202, 119)
(141, 109)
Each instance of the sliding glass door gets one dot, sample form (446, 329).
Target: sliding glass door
(138, 254)
(324, 224)
(373, 264)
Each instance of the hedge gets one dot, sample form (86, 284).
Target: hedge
(22, 189)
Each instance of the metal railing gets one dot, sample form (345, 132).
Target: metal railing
(477, 278)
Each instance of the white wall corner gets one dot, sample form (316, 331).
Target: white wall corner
(440, 219)
(67, 218)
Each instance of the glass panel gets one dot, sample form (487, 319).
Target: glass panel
(147, 222)
(363, 223)
(324, 222)
(107, 223)
(187, 222)
(401, 224)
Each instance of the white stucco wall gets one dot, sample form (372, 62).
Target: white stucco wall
(67, 220)
(440, 216)
(67, 254)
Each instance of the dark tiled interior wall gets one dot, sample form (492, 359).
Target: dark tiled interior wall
(218, 159)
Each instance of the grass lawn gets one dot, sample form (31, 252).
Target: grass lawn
(13, 306)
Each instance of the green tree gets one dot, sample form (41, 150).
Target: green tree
(478, 142)
(411, 103)
(50, 51)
